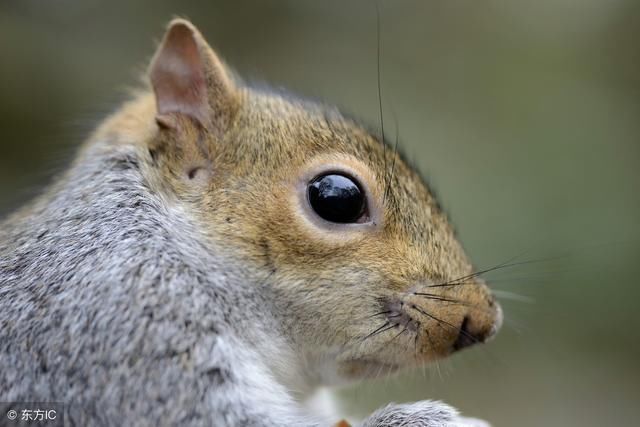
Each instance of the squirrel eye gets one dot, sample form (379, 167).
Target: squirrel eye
(337, 198)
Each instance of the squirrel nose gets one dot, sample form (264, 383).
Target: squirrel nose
(473, 333)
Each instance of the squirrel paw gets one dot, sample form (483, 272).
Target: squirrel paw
(425, 413)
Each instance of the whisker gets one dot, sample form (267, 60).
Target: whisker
(379, 314)
(394, 155)
(397, 335)
(381, 329)
(433, 347)
(440, 298)
(380, 110)
(512, 296)
(534, 280)
(507, 264)
(451, 285)
(451, 300)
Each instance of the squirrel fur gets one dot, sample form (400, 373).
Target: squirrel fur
(174, 275)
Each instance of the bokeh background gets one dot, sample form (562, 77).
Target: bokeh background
(524, 115)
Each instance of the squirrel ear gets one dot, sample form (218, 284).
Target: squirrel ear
(188, 78)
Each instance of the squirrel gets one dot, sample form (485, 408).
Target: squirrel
(217, 252)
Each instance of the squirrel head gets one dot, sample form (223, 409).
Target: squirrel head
(365, 268)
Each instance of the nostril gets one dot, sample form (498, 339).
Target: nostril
(491, 301)
(465, 337)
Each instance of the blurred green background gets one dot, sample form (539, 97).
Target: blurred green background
(525, 116)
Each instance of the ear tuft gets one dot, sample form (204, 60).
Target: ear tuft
(188, 78)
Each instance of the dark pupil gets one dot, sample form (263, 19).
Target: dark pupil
(336, 198)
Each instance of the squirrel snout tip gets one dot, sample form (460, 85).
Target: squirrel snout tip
(478, 330)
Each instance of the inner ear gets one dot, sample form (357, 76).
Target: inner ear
(188, 79)
(178, 77)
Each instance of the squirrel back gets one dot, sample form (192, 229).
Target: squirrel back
(216, 252)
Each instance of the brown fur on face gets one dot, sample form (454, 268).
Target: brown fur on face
(355, 297)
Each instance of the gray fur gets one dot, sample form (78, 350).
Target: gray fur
(420, 414)
(111, 302)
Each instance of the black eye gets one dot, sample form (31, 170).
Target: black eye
(337, 198)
